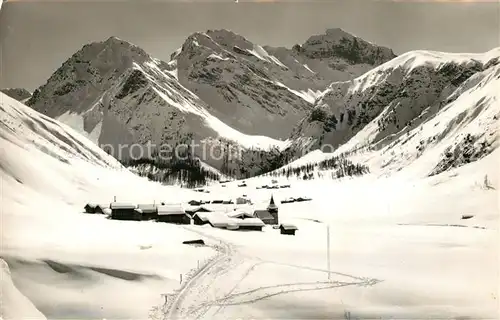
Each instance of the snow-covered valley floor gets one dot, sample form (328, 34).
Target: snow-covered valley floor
(398, 245)
(392, 255)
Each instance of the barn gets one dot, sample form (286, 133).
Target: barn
(125, 211)
(200, 218)
(172, 214)
(149, 211)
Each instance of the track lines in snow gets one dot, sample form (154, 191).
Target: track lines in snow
(270, 291)
(212, 287)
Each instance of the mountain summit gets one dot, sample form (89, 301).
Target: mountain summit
(266, 90)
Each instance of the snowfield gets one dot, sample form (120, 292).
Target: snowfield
(399, 247)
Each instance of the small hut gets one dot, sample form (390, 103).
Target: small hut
(240, 215)
(172, 214)
(125, 211)
(286, 228)
(149, 211)
(90, 208)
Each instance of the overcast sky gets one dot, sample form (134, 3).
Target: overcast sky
(37, 37)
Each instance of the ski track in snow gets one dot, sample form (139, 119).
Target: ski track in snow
(202, 293)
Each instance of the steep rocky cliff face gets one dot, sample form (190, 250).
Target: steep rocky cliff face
(266, 90)
(392, 105)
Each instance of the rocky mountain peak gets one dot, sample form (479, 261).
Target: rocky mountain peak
(336, 43)
(87, 73)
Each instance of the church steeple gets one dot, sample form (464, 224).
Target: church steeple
(272, 207)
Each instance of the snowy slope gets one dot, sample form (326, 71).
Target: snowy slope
(401, 252)
(398, 249)
(48, 173)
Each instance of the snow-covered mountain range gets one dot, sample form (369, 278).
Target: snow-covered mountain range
(217, 85)
(416, 139)
(265, 90)
(336, 92)
(409, 105)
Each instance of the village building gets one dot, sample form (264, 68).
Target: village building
(125, 211)
(173, 214)
(254, 224)
(195, 209)
(301, 199)
(149, 211)
(242, 200)
(101, 208)
(265, 216)
(218, 220)
(200, 218)
(286, 228)
(288, 200)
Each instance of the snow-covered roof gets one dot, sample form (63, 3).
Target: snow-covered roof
(147, 207)
(117, 205)
(288, 226)
(170, 210)
(263, 214)
(240, 214)
(253, 222)
(204, 216)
